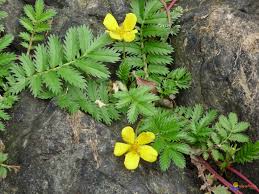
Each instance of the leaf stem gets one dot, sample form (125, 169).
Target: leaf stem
(30, 43)
(124, 52)
(171, 4)
(233, 170)
(144, 57)
(198, 160)
(167, 12)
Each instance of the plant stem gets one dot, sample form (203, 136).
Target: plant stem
(167, 12)
(215, 174)
(14, 167)
(30, 43)
(124, 52)
(144, 58)
(171, 4)
(253, 186)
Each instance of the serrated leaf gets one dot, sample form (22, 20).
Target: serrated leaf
(165, 160)
(238, 137)
(35, 85)
(72, 76)
(93, 68)
(3, 157)
(55, 51)
(240, 127)
(224, 122)
(52, 82)
(3, 172)
(5, 41)
(71, 44)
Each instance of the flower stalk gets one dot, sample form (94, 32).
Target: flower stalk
(250, 183)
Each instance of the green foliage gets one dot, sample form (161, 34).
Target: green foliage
(176, 80)
(220, 190)
(139, 101)
(3, 169)
(3, 14)
(6, 58)
(170, 139)
(150, 54)
(6, 62)
(37, 22)
(228, 131)
(56, 66)
(198, 123)
(6, 102)
(95, 100)
(247, 153)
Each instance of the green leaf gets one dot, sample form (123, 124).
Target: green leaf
(55, 51)
(178, 159)
(52, 82)
(158, 48)
(238, 137)
(30, 13)
(123, 72)
(224, 122)
(215, 154)
(71, 46)
(35, 85)
(3, 157)
(39, 8)
(165, 160)
(5, 41)
(41, 58)
(47, 15)
(247, 153)
(27, 24)
(220, 190)
(3, 172)
(93, 68)
(86, 36)
(240, 127)
(104, 55)
(27, 65)
(72, 76)
(132, 114)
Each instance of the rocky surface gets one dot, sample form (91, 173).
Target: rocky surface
(69, 13)
(219, 44)
(74, 155)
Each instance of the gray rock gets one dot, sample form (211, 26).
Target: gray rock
(68, 155)
(69, 13)
(219, 45)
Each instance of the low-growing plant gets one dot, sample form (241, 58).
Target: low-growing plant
(74, 74)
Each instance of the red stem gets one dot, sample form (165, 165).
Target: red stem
(171, 4)
(217, 176)
(243, 177)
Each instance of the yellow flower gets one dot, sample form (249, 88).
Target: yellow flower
(125, 31)
(135, 148)
(235, 184)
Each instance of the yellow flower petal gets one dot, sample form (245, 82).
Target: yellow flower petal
(129, 22)
(121, 148)
(128, 135)
(148, 153)
(145, 138)
(129, 36)
(115, 35)
(131, 160)
(110, 22)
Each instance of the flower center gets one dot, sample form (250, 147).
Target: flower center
(134, 147)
